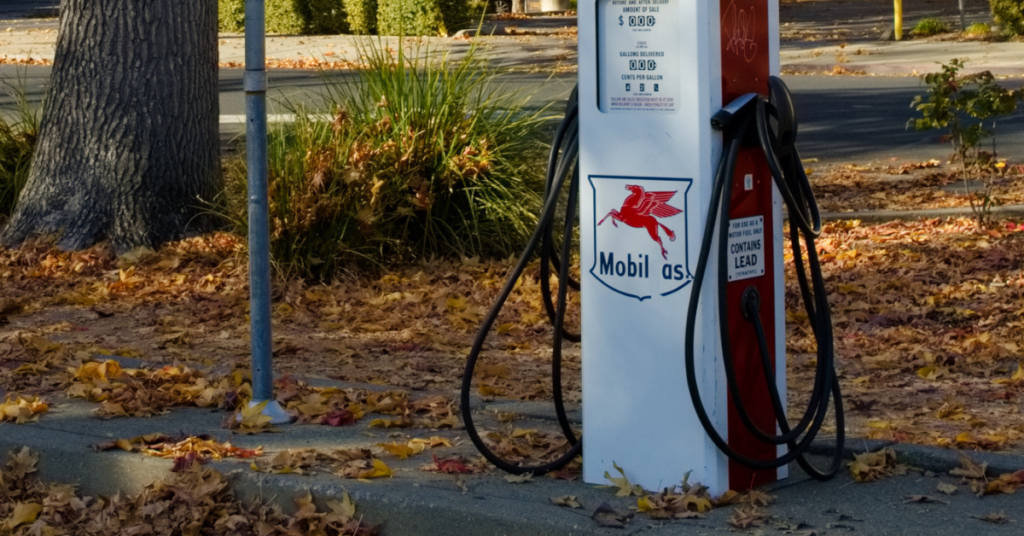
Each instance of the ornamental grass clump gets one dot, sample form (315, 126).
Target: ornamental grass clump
(417, 158)
(928, 27)
(18, 133)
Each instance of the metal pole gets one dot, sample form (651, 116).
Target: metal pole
(963, 22)
(255, 86)
(898, 18)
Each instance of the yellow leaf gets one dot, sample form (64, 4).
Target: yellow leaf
(403, 451)
(457, 303)
(1019, 375)
(380, 469)
(699, 504)
(23, 513)
(251, 417)
(626, 488)
(519, 479)
(643, 504)
(433, 442)
(344, 509)
(965, 437)
(931, 373)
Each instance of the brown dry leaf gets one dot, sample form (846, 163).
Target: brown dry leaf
(969, 468)
(195, 501)
(997, 518)
(947, 488)
(747, 516)
(758, 498)
(606, 516)
(519, 479)
(401, 422)
(921, 499)
(432, 442)
(291, 461)
(568, 501)
(872, 466)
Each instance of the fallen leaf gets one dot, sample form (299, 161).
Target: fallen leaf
(747, 516)
(626, 488)
(995, 518)
(921, 499)
(969, 468)
(568, 501)
(250, 419)
(379, 470)
(947, 488)
(341, 417)
(606, 516)
(402, 451)
(23, 513)
(450, 465)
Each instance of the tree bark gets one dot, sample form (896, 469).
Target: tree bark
(129, 145)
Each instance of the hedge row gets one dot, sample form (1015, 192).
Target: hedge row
(1009, 14)
(362, 17)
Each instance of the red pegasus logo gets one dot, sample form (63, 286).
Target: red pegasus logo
(640, 210)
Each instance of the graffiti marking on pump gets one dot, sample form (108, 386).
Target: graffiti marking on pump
(738, 26)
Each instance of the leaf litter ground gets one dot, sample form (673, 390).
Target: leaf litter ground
(927, 317)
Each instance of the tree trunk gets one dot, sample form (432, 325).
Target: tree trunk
(128, 146)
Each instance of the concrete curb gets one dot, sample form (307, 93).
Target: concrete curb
(934, 459)
(413, 502)
(890, 215)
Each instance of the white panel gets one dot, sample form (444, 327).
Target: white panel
(636, 410)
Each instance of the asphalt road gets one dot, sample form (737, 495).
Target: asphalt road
(842, 118)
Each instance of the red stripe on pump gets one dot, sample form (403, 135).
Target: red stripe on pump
(745, 69)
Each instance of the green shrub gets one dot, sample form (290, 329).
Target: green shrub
(961, 104)
(287, 16)
(17, 143)
(231, 15)
(362, 16)
(324, 17)
(929, 26)
(421, 158)
(978, 29)
(422, 17)
(1009, 14)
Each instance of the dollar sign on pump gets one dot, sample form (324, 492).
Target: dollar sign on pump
(620, 20)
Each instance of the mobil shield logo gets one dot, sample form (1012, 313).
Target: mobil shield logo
(640, 235)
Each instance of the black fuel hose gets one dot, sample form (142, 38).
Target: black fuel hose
(788, 174)
(778, 145)
(562, 167)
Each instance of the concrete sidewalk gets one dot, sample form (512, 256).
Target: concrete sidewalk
(419, 503)
(545, 44)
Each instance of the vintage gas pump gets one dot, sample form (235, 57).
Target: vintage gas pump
(679, 147)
